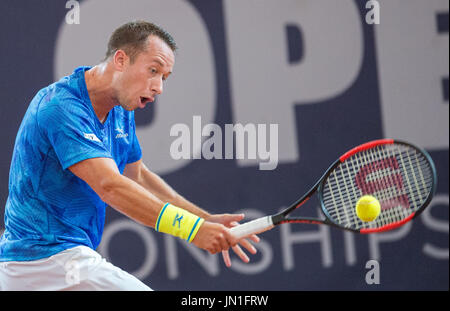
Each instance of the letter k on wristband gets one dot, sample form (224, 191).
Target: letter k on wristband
(178, 222)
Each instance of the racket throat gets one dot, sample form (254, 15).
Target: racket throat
(278, 218)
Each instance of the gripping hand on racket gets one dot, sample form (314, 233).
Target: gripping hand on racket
(229, 221)
(214, 236)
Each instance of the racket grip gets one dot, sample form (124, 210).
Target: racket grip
(255, 226)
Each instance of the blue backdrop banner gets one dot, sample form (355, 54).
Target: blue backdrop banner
(264, 96)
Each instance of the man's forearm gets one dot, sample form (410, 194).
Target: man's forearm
(133, 200)
(189, 206)
(156, 185)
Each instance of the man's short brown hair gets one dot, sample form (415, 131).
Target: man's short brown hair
(132, 37)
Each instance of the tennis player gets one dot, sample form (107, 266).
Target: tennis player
(76, 152)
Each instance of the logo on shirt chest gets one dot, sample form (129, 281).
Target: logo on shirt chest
(91, 136)
(121, 133)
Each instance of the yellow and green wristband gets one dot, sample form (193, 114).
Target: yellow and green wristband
(178, 222)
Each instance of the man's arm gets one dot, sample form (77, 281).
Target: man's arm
(138, 172)
(134, 201)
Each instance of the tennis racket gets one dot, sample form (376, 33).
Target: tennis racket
(400, 175)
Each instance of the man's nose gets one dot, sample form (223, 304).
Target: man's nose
(157, 86)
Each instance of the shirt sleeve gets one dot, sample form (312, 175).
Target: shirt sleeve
(135, 153)
(70, 129)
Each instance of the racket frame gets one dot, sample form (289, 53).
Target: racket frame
(281, 217)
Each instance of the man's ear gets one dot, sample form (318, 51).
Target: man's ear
(120, 60)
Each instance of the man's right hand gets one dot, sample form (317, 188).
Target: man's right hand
(214, 238)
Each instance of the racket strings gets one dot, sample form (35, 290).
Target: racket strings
(399, 176)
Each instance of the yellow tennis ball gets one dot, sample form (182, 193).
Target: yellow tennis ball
(368, 208)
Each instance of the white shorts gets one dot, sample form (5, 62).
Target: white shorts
(79, 268)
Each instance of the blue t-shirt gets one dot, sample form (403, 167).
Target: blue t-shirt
(49, 209)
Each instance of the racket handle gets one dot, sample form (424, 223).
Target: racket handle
(255, 226)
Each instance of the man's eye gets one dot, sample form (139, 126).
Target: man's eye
(153, 71)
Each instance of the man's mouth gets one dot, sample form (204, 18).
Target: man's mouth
(145, 100)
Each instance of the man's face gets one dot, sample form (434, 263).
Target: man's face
(141, 81)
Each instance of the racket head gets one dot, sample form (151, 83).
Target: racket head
(400, 175)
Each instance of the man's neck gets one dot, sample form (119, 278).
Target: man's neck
(98, 83)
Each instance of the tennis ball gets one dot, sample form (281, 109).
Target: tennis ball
(368, 208)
